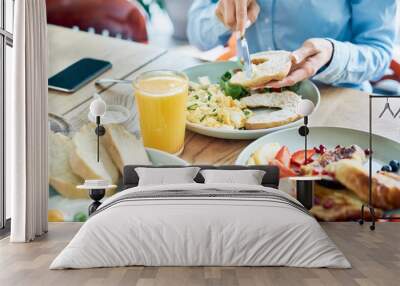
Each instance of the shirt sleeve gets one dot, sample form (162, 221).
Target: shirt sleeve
(369, 53)
(204, 29)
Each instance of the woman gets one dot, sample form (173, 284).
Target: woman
(341, 42)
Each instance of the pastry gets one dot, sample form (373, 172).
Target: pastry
(385, 185)
(338, 205)
(319, 166)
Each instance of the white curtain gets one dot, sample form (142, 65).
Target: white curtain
(26, 123)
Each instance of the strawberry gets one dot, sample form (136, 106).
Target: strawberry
(298, 157)
(283, 170)
(283, 156)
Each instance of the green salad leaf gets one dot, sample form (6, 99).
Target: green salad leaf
(232, 90)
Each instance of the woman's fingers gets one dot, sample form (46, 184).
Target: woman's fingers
(303, 53)
(235, 14)
(296, 76)
(241, 15)
(304, 71)
(230, 16)
(252, 11)
(307, 61)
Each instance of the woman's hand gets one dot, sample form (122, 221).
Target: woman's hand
(234, 14)
(307, 60)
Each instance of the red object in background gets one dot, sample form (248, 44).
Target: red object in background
(231, 50)
(298, 157)
(284, 156)
(117, 16)
(284, 171)
(395, 67)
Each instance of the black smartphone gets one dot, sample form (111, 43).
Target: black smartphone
(78, 74)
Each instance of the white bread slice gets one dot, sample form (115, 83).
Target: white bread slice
(123, 147)
(83, 159)
(283, 100)
(267, 66)
(61, 177)
(287, 101)
(267, 119)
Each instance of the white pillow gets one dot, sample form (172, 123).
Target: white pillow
(248, 177)
(165, 176)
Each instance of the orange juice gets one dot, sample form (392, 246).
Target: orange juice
(161, 101)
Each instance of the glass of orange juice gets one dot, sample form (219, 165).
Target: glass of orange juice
(161, 101)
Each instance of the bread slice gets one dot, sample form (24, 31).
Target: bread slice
(385, 186)
(267, 66)
(267, 119)
(287, 102)
(284, 100)
(61, 177)
(123, 147)
(83, 159)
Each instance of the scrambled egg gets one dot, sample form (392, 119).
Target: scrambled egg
(209, 106)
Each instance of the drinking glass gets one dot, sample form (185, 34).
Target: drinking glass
(161, 102)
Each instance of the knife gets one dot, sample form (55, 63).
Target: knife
(243, 51)
(248, 70)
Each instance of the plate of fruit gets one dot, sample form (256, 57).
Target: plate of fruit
(340, 157)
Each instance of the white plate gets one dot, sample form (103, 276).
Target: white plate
(214, 71)
(158, 157)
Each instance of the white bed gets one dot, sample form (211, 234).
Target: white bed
(201, 224)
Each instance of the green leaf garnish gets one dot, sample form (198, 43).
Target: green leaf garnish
(193, 106)
(232, 90)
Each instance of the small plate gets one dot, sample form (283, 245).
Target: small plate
(116, 114)
(214, 71)
(158, 157)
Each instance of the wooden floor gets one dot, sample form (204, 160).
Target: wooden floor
(375, 257)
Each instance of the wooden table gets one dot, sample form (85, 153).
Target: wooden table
(339, 107)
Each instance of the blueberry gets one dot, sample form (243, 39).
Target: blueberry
(394, 164)
(386, 168)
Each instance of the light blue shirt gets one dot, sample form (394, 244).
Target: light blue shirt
(362, 33)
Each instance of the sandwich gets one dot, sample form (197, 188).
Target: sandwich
(266, 66)
(283, 109)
